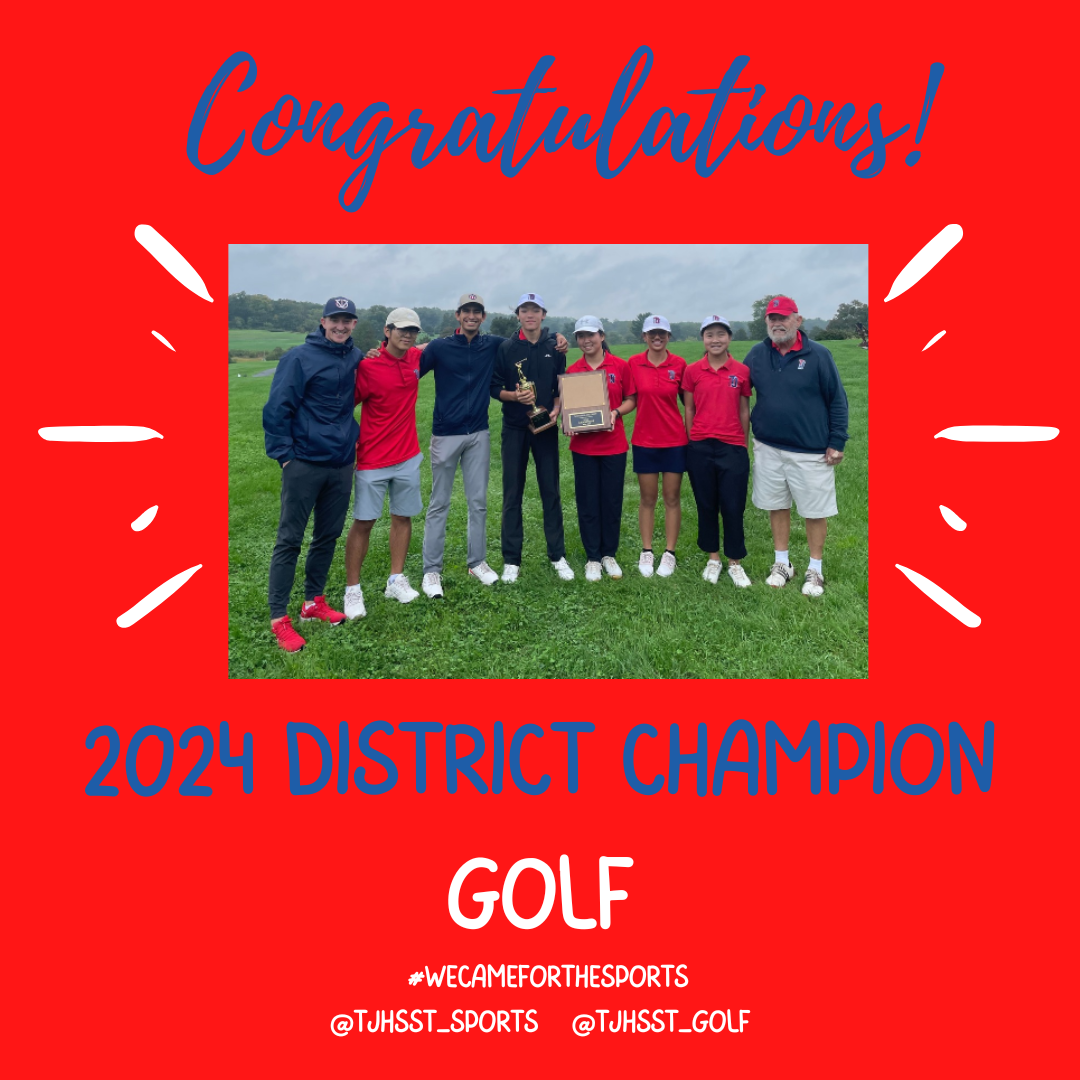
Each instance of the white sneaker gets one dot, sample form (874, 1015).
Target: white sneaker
(510, 573)
(711, 573)
(814, 585)
(354, 602)
(667, 565)
(780, 575)
(645, 564)
(592, 571)
(562, 568)
(432, 586)
(738, 575)
(611, 567)
(400, 589)
(484, 574)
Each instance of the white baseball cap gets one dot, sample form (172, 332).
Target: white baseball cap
(531, 298)
(403, 318)
(589, 323)
(716, 320)
(655, 322)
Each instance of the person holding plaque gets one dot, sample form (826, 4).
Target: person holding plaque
(659, 441)
(716, 397)
(600, 456)
(526, 381)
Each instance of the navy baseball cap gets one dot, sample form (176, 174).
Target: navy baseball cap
(339, 305)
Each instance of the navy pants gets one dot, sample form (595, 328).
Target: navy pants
(719, 474)
(598, 483)
(306, 486)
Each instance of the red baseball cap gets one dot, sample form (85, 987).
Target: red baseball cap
(782, 305)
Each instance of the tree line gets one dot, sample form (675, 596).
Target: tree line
(254, 311)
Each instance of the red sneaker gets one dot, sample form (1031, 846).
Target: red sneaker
(320, 609)
(286, 636)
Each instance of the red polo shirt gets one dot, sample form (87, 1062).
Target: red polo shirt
(716, 399)
(619, 385)
(659, 422)
(386, 388)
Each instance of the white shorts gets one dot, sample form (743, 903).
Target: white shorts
(402, 480)
(781, 475)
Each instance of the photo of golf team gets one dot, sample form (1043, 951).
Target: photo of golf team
(694, 418)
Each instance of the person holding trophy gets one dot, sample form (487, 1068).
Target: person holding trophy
(600, 456)
(526, 381)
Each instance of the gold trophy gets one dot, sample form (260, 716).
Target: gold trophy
(539, 418)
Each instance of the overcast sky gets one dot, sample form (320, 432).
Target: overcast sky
(609, 280)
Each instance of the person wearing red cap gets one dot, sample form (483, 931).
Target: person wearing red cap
(659, 441)
(799, 420)
(716, 397)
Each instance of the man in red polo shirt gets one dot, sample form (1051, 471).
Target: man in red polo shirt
(716, 400)
(387, 457)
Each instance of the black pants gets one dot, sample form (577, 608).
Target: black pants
(517, 444)
(598, 482)
(306, 486)
(719, 475)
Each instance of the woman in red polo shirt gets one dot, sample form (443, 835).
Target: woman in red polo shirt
(600, 456)
(659, 441)
(716, 397)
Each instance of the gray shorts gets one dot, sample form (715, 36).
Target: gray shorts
(403, 481)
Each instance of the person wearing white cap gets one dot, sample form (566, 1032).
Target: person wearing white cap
(600, 456)
(542, 364)
(716, 398)
(387, 458)
(659, 441)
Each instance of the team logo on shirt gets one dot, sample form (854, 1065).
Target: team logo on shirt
(671, 376)
(733, 382)
(416, 372)
(802, 362)
(611, 377)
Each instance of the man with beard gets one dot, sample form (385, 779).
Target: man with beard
(799, 421)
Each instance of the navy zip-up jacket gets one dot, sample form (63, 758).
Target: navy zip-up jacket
(801, 404)
(542, 365)
(309, 414)
(462, 381)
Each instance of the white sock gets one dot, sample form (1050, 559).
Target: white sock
(782, 557)
(392, 578)
(815, 564)
(350, 588)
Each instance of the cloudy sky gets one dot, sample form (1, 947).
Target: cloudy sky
(612, 280)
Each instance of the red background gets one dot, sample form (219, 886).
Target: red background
(867, 934)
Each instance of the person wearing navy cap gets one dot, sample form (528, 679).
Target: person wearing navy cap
(310, 431)
(799, 420)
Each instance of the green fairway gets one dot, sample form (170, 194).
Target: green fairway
(540, 627)
(263, 340)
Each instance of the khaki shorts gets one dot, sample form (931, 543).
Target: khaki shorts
(782, 475)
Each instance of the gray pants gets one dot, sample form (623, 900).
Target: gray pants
(474, 453)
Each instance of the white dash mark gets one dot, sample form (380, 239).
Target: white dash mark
(941, 597)
(952, 519)
(998, 433)
(147, 516)
(925, 260)
(168, 345)
(102, 433)
(936, 337)
(151, 600)
(172, 260)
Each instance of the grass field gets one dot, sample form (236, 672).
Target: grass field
(678, 628)
(263, 340)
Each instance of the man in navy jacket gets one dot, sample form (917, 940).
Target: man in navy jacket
(800, 429)
(310, 431)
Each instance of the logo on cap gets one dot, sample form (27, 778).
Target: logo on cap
(715, 318)
(472, 296)
(655, 319)
(341, 303)
(532, 296)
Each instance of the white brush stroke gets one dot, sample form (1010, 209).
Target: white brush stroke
(99, 433)
(151, 600)
(952, 519)
(144, 519)
(936, 337)
(998, 433)
(941, 597)
(925, 260)
(172, 260)
(168, 344)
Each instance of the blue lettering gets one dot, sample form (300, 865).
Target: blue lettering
(202, 111)
(750, 766)
(895, 759)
